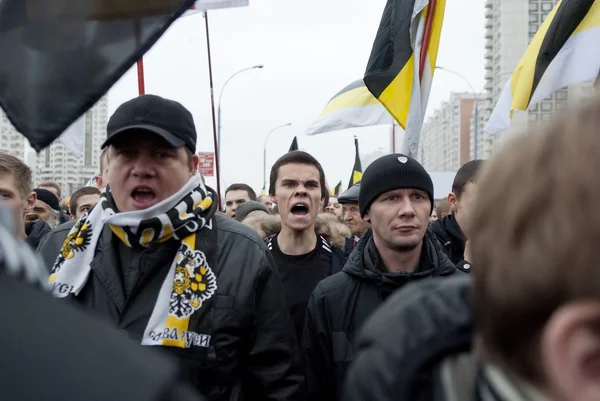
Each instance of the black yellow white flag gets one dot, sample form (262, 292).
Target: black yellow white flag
(352, 107)
(564, 51)
(402, 62)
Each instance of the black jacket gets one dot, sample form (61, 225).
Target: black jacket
(449, 234)
(350, 244)
(341, 303)
(45, 351)
(252, 354)
(403, 347)
(36, 231)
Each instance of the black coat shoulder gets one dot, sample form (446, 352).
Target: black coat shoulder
(414, 329)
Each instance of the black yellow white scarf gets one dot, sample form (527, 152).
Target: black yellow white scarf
(190, 281)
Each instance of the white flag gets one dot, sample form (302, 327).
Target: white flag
(73, 137)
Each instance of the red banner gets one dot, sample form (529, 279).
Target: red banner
(206, 166)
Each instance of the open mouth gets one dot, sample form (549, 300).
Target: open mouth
(300, 209)
(143, 195)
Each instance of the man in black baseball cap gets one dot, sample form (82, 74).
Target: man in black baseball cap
(165, 118)
(351, 215)
(155, 258)
(396, 198)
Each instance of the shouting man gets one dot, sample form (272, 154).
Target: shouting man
(303, 258)
(154, 258)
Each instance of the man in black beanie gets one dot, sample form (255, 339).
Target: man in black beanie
(396, 197)
(46, 208)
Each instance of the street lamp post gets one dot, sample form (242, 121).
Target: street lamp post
(476, 134)
(265, 152)
(219, 106)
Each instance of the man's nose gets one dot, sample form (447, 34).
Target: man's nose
(407, 209)
(143, 165)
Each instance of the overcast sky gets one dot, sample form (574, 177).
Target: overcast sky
(311, 50)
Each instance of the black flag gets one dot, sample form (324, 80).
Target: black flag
(357, 169)
(294, 144)
(61, 56)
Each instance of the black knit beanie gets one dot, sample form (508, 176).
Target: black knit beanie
(48, 198)
(390, 172)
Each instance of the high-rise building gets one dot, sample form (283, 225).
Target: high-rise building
(57, 163)
(509, 27)
(11, 141)
(446, 136)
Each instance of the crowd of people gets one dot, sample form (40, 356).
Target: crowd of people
(299, 295)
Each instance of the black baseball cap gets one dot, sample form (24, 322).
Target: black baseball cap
(350, 195)
(163, 117)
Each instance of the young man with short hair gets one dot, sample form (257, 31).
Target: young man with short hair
(303, 258)
(451, 231)
(83, 200)
(396, 198)
(16, 193)
(525, 326)
(235, 195)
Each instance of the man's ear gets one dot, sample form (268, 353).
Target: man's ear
(273, 199)
(570, 352)
(30, 202)
(99, 182)
(194, 165)
(367, 218)
(452, 201)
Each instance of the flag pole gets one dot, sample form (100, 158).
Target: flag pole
(140, 72)
(140, 62)
(212, 102)
(393, 137)
(426, 36)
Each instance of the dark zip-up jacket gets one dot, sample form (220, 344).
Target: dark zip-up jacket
(36, 231)
(341, 303)
(418, 346)
(252, 354)
(449, 234)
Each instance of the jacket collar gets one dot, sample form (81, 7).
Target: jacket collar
(495, 384)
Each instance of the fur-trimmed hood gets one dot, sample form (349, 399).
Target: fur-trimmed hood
(326, 225)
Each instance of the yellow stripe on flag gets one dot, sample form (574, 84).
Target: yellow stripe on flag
(353, 98)
(521, 82)
(591, 20)
(436, 34)
(396, 97)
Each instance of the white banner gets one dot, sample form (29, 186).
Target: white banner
(73, 137)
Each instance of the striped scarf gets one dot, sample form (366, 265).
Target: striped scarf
(190, 281)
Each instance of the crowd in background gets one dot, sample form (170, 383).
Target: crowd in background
(380, 293)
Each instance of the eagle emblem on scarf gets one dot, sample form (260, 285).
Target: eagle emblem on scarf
(77, 240)
(193, 284)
